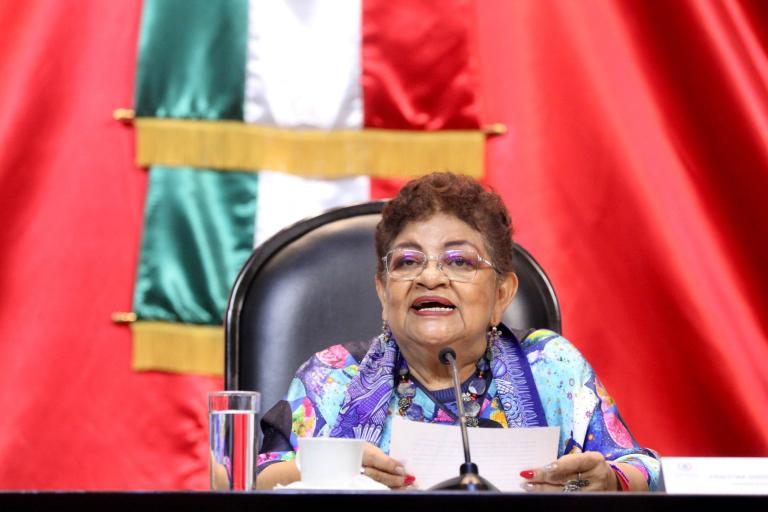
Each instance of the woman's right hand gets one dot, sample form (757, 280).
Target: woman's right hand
(383, 468)
(282, 473)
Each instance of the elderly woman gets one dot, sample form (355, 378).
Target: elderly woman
(445, 277)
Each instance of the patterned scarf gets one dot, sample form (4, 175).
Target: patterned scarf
(364, 410)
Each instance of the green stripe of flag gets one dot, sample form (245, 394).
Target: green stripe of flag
(198, 231)
(192, 56)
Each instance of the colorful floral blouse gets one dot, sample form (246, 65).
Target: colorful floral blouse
(348, 391)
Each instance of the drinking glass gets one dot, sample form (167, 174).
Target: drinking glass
(232, 419)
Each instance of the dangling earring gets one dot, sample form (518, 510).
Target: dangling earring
(386, 332)
(493, 335)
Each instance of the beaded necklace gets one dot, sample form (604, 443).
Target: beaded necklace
(472, 398)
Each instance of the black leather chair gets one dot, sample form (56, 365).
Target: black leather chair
(312, 285)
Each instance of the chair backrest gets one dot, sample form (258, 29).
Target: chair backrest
(312, 285)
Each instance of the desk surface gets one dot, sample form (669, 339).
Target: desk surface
(369, 501)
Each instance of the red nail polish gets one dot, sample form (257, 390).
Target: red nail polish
(527, 474)
(409, 479)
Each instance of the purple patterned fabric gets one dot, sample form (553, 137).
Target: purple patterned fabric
(364, 409)
(514, 383)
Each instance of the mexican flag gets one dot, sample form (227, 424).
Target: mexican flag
(253, 115)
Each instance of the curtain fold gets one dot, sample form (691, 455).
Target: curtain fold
(635, 173)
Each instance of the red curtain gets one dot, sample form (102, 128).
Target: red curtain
(74, 414)
(633, 167)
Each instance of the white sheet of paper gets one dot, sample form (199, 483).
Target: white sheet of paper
(715, 475)
(433, 453)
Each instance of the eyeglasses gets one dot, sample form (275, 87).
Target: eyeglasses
(457, 264)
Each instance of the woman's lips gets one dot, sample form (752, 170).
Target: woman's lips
(432, 306)
(433, 311)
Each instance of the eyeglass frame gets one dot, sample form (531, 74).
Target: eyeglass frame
(436, 258)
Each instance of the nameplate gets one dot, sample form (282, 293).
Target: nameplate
(715, 475)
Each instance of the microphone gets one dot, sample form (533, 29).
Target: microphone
(469, 478)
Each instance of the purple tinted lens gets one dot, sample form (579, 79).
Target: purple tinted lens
(405, 260)
(461, 261)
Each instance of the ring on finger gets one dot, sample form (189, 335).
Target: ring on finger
(575, 485)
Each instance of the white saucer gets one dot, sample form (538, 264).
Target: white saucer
(356, 483)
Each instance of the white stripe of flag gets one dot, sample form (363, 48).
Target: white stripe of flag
(303, 71)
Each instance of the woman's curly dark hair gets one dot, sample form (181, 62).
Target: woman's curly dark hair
(453, 194)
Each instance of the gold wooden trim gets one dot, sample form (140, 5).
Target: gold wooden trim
(177, 347)
(234, 145)
(495, 129)
(126, 115)
(123, 317)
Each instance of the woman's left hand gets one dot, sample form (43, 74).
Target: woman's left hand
(383, 468)
(589, 468)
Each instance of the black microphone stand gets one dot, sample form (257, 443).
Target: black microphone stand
(469, 478)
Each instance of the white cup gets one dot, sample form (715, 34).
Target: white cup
(328, 462)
